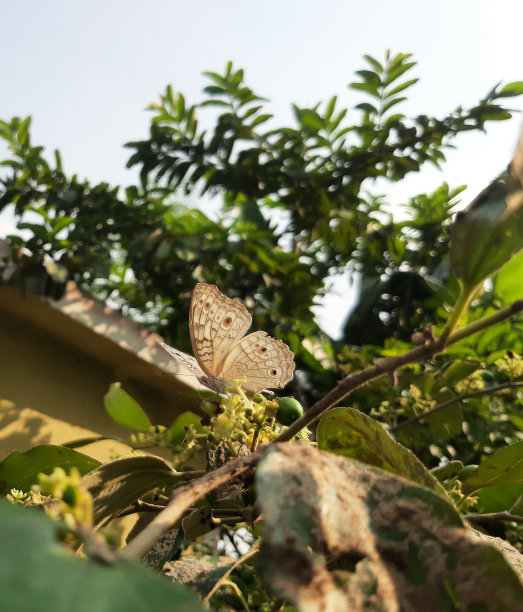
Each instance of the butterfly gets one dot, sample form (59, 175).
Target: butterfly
(217, 326)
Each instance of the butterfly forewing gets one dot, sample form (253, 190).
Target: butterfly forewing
(216, 323)
(264, 362)
(186, 360)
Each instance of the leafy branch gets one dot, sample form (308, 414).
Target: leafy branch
(456, 400)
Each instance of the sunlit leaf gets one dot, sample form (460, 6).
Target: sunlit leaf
(20, 470)
(123, 409)
(348, 432)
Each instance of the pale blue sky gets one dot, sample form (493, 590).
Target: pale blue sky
(85, 71)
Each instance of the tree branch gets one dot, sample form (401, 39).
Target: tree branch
(387, 366)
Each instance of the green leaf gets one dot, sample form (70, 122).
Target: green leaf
(370, 89)
(38, 572)
(511, 89)
(502, 468)
(330, 108)
(310, 119)
(20, 470)
(116, 485)
(397, 71)
(401, 87)
(498, 498)
(176, 432)
(123, 409)
(369, 77)
(374, 63)
(508, 283)
(366, 107)
(392, 103)
(348, 432)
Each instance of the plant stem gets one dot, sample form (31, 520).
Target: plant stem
(248, 555)
(183, 498)
(458, 311)
(493, 517)
(493, 319)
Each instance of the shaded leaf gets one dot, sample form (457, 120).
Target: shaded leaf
(37, 572)
(489, 232)
(116, 485)
(199, 571)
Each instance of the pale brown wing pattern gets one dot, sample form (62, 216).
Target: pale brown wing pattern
(265, 363)
(186, 360)
(216, 323)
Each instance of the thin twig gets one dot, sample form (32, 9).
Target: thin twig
(251, 553)
(456, 400)
(493, 517)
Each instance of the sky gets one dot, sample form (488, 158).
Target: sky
(86, 71)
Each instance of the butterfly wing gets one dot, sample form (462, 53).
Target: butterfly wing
(191, 364)
(216, 323)
(265, 363)
(186, 360)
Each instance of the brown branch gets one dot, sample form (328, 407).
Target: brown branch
(493, 517)
(389, 365)
(358, 379)
(456, 400)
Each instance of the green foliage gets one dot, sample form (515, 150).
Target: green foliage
(297, 207)
(20, 470)
(42, 574)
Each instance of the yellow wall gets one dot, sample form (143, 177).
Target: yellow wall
(51, 391)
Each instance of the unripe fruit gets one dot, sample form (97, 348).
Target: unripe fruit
(289, 410)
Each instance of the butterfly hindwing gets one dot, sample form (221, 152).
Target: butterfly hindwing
(264, 362)
(216, 323)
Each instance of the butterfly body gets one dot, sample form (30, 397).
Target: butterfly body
(223, 353)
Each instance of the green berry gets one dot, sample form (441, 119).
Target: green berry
(289, 410)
